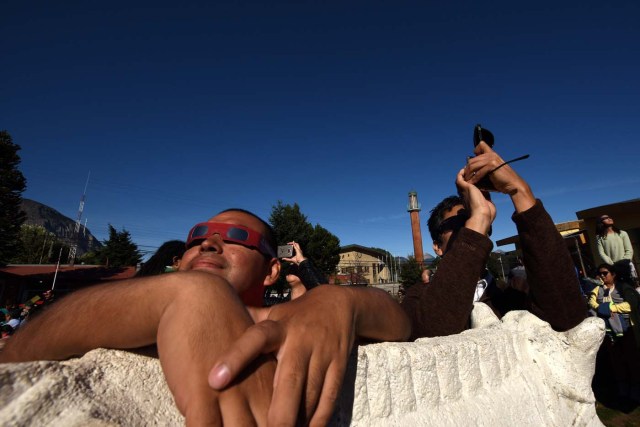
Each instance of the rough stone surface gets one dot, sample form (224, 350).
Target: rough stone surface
(516, 371)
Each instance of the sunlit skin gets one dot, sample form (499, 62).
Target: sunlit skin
(425, 276)
(607, 277)
(241, 266)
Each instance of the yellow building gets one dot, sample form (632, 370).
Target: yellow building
(360, 265)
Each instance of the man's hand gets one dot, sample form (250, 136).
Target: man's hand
(312, 338)
(503, 177)
(483, 211)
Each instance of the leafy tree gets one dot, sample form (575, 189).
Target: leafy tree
(410, 272)
(318, 244)
(12, 184)
(324, 250)
(289, 223)
(37, 246)
(118, 250)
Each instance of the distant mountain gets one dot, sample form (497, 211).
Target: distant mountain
(58, 224)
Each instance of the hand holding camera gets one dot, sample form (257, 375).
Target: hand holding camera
(489, 172)
(482, 170)
(291, 252)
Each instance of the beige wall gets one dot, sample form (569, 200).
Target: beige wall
(366, 265)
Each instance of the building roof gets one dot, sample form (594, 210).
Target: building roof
(611, 209)
(363, 249)
(80, 272)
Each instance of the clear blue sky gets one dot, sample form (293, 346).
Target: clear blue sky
(182, 109)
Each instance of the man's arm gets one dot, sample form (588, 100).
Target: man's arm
(312, 338)
(443, 307)
(554, 290)
(191, 315)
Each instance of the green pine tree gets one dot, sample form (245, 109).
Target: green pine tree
(12, 184)
(318, 244)
(410, 272)
(118, 250)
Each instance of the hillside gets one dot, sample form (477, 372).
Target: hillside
(62, 226)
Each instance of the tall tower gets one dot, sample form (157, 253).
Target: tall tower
(76, 232)
(414, 210)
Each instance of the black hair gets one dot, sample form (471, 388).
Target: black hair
(601, 229)
(623, 270)
(612, 269)
(269, 234)
(437, 215)
(162, 258)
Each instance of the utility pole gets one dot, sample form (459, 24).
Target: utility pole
(76, 232)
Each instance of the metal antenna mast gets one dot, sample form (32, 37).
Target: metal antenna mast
(76, 232)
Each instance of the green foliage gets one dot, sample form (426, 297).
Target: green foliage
(12, 184)
(289, 223)
(323, 250)
(410, 272)
(118, 251)
(37, 246)
(318, 244)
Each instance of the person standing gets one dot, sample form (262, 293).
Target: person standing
(614, 244)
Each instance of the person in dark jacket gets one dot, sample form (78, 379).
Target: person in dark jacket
(460, 230)
(302, 275)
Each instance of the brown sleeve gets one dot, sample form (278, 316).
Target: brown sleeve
(443, 306)
(554, 289)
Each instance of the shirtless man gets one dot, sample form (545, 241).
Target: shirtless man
(205, 316)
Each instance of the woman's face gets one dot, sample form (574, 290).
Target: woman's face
(607, 277)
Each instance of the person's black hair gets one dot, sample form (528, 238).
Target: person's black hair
(162, 258)
(269, 235)
(437, 215)
(623, 270)
(612, 269)
(601, 229)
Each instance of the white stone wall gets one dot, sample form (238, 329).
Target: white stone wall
(514, 372)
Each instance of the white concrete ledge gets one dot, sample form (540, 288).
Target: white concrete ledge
(517, 371)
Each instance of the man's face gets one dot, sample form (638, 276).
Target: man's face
(449, 228)
(243, 267)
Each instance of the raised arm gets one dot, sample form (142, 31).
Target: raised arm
(554, 289)
(191, 315)
(312, 338)
(444, 306)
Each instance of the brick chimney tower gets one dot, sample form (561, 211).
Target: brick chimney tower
(414, 208)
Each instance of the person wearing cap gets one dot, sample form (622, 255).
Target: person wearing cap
(460, 228)
(208, 325)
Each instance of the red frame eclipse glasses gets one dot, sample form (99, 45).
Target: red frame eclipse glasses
(232, 233)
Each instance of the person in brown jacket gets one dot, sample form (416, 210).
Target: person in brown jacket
(460, 227)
